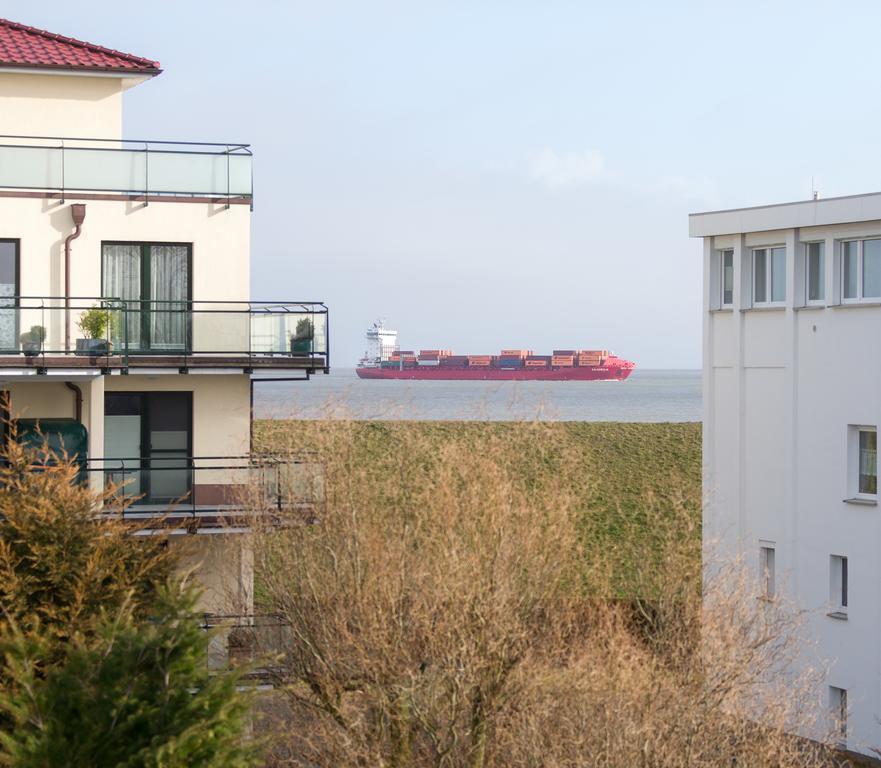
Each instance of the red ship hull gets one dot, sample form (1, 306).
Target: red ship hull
(614, 369)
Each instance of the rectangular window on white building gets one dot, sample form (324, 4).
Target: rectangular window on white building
(861, 270)
(767, 571)
(769, 276)
(838, 714)
(815, 273)
(838, 584)
(862, 460)
(867, 480)
(726, 274)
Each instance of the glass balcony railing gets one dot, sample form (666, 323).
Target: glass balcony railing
(117, 334)
(125, 166)
(180, 486)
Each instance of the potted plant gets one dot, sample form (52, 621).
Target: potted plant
(93, 325)
(301, 339)
(32, 340)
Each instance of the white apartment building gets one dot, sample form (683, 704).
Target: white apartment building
(792, 405)
(127, 330)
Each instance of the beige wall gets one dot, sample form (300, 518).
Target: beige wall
(220, 238)
(221, 407)
(62, 105)
(222, 565)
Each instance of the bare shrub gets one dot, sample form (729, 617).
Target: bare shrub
(447, 608)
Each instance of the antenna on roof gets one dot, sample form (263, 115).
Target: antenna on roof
(814, 193)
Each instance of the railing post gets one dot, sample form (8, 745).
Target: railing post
(63, 181)
(146, 174)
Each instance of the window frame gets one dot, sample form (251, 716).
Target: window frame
(809, 302)
(145, 247)
(769, 273)
(723, 253)
(768, 570)
(838, 714)
(838, 585)
(15, 242)
(859, 298)
(854, 462)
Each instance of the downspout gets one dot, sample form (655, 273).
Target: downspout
(78, 213)
(78, 400)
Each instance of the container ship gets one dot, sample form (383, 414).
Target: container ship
(385, 360)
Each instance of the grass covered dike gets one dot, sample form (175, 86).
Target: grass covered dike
(635, 487)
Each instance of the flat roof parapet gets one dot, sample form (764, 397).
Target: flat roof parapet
(803, 213)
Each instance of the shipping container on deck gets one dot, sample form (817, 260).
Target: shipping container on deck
(531, 363)
(563, 361)
(510, 362)
(515, 353)
(454, 361)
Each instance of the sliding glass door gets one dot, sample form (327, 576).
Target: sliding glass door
(148, 442)
(153, 279)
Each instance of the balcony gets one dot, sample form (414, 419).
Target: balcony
(206, 494)
(41, 333)
(142, 168)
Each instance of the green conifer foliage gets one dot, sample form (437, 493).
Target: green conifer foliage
(102, 659)
(131, 694)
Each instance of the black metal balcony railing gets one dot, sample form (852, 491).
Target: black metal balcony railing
(126, 166)
(209, 487)
(180, 333)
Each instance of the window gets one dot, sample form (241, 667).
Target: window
(814, 269)
(769, 276)
(154, 280)
(838, 714)
(767, 577)
(9, 291)
(727, 276)
(838, 585)
(868, 462)
(861, 270)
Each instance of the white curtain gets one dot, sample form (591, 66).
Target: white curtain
(170, 290)
(122, 280)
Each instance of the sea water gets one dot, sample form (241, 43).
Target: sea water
(648, 395)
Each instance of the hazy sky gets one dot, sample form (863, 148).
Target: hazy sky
(503, 174)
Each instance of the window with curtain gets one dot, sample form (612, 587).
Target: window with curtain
(169, 289)
(122, 280)
(8, 288)
(153, 280)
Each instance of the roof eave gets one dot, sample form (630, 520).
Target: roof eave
(78, 70)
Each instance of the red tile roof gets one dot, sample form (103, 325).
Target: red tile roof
(29, 48)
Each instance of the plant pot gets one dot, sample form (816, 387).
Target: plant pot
(93, 347)
(301, 346)
(31, 348)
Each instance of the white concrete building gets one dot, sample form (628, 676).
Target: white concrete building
(127, 327)
(792, 404)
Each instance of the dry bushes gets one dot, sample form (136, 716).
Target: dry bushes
(448, 608)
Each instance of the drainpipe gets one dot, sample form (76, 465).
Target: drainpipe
(78, 213)
(78, 400)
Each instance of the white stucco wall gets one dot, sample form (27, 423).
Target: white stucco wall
(221, 407)
(781, 387)
(220, 239)
(62, 105)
